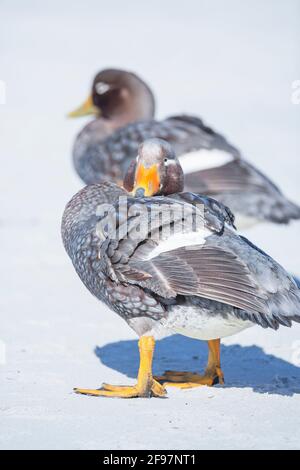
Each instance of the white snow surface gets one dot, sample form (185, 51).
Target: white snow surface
(233, 63)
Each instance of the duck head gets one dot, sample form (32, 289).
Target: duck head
(119, 96)
(156, 170)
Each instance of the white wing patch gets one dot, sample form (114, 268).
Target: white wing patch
(179, 240)
(204, 159)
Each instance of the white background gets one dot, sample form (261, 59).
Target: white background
(232, 63)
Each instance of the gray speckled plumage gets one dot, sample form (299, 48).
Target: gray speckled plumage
(227, 278)
(85, 248)
(105, 147)
(97, 149)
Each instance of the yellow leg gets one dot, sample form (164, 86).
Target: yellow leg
(213, 367)
(146, 385)
(213, 373)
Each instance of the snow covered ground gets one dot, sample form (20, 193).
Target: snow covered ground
(232, 63)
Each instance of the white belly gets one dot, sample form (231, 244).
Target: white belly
(189, 321)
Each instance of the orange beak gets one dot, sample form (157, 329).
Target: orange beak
(85, 109)
(147, 179)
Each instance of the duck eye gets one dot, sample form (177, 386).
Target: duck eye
(165, 160)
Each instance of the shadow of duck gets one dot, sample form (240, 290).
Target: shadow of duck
(243, 366)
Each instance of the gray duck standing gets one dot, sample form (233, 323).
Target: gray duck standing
(172, 260)
(123, 106)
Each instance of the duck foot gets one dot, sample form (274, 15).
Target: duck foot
(146, 385)
(213, 374)
(122, 391)
(189, 379)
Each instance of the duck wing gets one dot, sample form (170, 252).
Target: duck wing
(98, 156)
(211, 165)
(209, 261)
(214, 167)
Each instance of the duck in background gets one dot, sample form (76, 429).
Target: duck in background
(173, 260)
(124, 108)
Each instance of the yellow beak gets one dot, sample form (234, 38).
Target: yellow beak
(147, 179)
(85, 109)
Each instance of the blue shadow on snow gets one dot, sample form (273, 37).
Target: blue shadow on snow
(243, 366)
